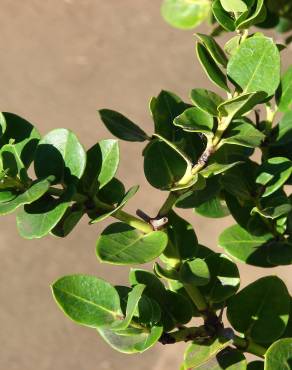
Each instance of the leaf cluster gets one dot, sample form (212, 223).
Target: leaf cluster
(219, 154)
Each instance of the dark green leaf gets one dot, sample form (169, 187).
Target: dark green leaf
(23, 135)
(129, 194)
(224, 279)
(163, 166)
(245, 247)
(261, 310)
(184, 13)
(87, 300)
(256, 365)
(213, 48)
(273, 174)
(223, 17)
(121, 127)
(257, 16)
(59, 153)
(206, 100)
(182, 240)
(113, 192)
(37, 190)
(214, 207)
(210, 67)
(70, 219)
(122, 244)
(280, 253)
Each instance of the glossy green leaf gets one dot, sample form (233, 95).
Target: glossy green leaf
(133, 299)
(260, 310)
(113, 192)
(164, 108)
(196, 354)
(131, 340)
(195, 120)
(129, 194)
(165, 273)
(223, 17)
(224, 278)
(87, 300)
(274, 206)
(256, 66)
(242, 132)
(215, 168)
(213, 72)
(280, 253)
(245, 247)
(195, 272)
(279, 355)
(235, 6)
(121, 127)
(122, 244)
(163, 166)
(37, 219)
(206, 100)
(23, 135)
(238, 106)
(185, 14)
(60, 154)
(37, 190)
(273, 174)
(284, 94)
(213, 48)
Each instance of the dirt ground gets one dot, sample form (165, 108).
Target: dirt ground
(61, 60)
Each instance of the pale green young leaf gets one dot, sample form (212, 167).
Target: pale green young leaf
(234, 6)
(279, 355)
(256, 66)
(185, 14)
(223, 18)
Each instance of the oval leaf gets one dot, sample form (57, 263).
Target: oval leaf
(279, 355)
(87, 300)
(122, 244)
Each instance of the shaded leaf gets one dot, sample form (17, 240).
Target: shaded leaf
(213, 48)
(284, 94)
(195, 120)
(121, 127)
(206, 100)
(195, 272)
(260, 310)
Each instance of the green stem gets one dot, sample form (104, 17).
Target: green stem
(168, 204)
(249, 346)
(133, 221)
(196, 297)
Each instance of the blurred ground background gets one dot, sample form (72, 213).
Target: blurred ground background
(60, 61)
